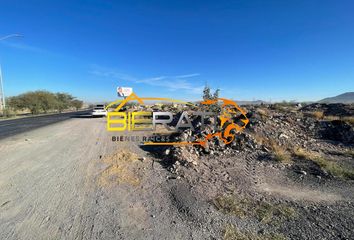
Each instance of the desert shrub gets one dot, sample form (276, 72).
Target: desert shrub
(8, 112)
(280, 153)
(349, 120)
(318, 115)
(263, 211)
(331, 167)
(331, 118)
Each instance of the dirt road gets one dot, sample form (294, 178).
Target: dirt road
(51, 184)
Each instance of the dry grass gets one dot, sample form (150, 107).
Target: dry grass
(349, 120)
(260, 139)
(331, 118)
(231, 205)
(119, 169)
(317, 114)
(263, 112)
(280, 153)
(284, 106)
(349, 153)
(302, 153)
(330, 166)
(233, 233)
(261, 210)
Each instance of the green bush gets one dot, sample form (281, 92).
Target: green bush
(43, 101)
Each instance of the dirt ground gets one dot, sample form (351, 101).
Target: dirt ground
(57, 182)
(70, 181)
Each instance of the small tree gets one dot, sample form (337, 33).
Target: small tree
(31, 101)
(216, 94)
(34, 101)
(77, 104)
(47, 100)
(64, 101)
(206, 93)
(43, 101)
(15, 103)
(7, 112)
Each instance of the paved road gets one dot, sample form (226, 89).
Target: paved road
(15, 126)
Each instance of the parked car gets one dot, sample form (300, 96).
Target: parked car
(99, 111)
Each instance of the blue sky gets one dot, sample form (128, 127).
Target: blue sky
(292, 50)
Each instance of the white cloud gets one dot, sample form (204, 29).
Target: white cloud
(188, 75)
(170, 83)
(23, 46)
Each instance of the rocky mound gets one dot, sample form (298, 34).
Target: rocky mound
(334, 109)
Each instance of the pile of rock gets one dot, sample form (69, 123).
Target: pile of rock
(337, 130)
(333, 109)
(190, 155)
(289, 130)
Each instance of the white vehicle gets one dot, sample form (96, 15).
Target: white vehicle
(99, 111)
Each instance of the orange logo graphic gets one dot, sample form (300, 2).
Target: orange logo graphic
(131, 121)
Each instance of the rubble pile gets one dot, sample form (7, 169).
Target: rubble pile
(189, 156)
(290, 129)
(295, 129)
(337, 130)
(333, 109)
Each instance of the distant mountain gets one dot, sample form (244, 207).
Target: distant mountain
(342, 98)
(255, 102)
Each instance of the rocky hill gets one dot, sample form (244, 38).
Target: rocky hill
(347, 97)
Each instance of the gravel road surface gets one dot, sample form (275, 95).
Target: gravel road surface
(55, 184)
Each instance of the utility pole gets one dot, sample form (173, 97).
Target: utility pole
(2, 94)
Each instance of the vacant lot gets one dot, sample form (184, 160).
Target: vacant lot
(70, 181)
